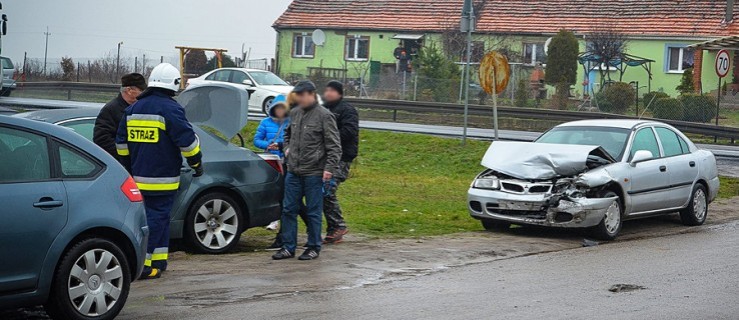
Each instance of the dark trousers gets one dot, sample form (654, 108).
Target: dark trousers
(296, 188)
(331, 208)
(158, 209)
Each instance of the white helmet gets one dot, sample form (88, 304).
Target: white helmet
(165, 76)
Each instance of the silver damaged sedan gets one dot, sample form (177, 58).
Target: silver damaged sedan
(594, 174)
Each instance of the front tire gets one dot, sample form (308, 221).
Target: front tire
(697, 210)
(214, 223)
(495, 225)
(91, 282)
(610, 226)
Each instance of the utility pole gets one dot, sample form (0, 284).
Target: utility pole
(46, 48)
(118, 61)
(467, 24)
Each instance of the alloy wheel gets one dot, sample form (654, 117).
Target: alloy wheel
(95, 282)
(699, 204)
(216, 224)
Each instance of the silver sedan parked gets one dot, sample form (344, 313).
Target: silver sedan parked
(594, 174)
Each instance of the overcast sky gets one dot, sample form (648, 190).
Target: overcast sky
(92, 28)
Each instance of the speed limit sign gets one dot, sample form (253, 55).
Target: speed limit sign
(722, 63)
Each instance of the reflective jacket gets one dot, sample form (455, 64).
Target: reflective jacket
(151, 136)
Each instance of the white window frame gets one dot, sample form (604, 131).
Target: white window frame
(355, 50)
(668, 56)
(534, 58)
(305, 37)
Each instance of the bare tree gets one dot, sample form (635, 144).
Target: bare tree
(605, 44)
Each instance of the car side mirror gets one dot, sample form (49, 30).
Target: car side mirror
(641, 156)
(248, 82)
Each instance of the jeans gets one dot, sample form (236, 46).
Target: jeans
(297, 187)
(331, 207)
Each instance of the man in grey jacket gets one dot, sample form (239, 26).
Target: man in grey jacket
(312, 153)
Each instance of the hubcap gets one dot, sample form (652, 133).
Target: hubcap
(699, 204)
(95, 282)
(216, 224)
(613, 217)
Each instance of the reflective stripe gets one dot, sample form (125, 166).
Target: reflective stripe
(157, 184)
(122, 149)
(192, 149)
(146, 120)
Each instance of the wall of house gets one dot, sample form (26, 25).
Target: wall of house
(331, 55)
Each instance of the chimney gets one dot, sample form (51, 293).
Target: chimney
(729, 11)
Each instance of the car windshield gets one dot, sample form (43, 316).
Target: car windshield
(266, 78)
(613, 140)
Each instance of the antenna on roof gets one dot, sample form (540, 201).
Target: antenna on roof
(319, 37)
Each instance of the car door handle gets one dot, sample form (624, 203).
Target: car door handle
(662, 168)
(692, 164)
(48, 203)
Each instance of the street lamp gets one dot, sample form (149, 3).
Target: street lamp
(118, 61)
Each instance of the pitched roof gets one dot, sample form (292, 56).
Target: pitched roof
(666, 18)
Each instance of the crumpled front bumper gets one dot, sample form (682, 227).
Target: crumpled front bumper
(535, 209)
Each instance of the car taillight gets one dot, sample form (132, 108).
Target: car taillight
(275, 164)
(131, 190)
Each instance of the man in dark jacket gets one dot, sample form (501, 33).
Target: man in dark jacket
(312, 153)
(347, 121)
(106, 124)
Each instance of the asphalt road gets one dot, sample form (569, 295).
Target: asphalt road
(684, 276)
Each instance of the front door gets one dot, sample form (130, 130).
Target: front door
(33, 210)
(649, 179)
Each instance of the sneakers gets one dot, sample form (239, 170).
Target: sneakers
(309, 254)
(335, 236)
(283, 254)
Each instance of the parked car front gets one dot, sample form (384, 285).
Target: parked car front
(594, 174)
(74, 229)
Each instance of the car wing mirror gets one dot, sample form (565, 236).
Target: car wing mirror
(248, 82)
(641, 156)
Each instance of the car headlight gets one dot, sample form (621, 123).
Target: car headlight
(491, 183)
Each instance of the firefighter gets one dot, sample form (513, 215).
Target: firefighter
(152, 138)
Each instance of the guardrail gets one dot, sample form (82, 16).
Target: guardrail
(436, 107)
(531, 113)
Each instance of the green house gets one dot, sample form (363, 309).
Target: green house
(358, 38)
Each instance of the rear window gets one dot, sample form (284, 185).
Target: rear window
(7, 64)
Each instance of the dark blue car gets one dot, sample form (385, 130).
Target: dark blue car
(72, 224)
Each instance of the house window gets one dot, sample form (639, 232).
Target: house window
(533, 53)
(357, 48)
(303, 46)
(679, 58)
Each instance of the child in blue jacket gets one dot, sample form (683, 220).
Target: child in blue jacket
(271, 131)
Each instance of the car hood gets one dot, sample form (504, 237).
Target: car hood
(529, 160)
(219, 106)
(278, 89)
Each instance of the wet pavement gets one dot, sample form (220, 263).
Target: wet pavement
(505, 272)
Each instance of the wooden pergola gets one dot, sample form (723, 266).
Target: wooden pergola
(185, 50)
(730, 43)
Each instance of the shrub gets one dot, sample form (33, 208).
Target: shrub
(616, 98)
(667, 108)
(521, 97)
(698, 108)
(651, 97)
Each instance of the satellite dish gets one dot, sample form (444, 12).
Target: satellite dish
(319, 37)
(546, 45)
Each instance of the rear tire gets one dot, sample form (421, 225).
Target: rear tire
(610, 226)
(697, 210)
(214, 223)
(495, 225)
(266, 103)
(82, 290)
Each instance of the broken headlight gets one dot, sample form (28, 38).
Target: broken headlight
(491, 183)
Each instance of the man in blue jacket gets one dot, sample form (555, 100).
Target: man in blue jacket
(152, 138)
